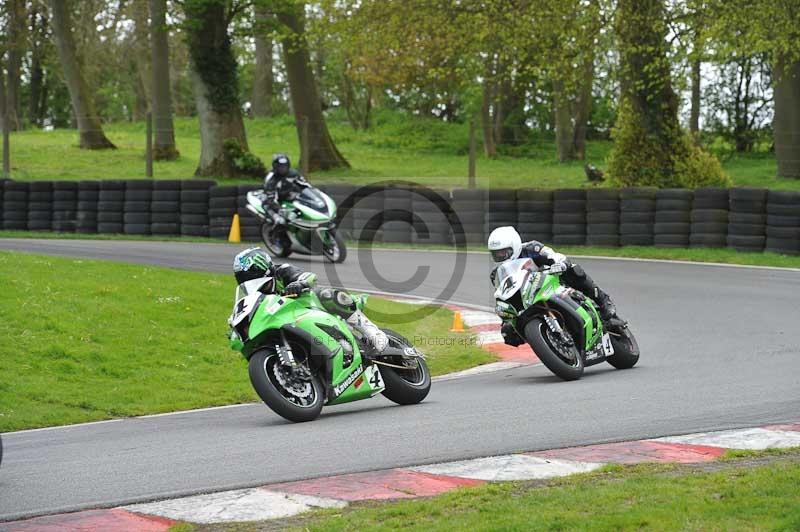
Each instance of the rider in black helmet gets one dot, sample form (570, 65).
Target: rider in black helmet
(278, 183)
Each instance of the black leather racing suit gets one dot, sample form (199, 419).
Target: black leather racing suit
(278, 188)
(573, 276)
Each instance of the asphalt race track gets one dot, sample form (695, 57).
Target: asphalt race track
(719, 350)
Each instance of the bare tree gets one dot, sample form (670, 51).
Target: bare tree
(17, 25)
(89, 127)
(264, 80)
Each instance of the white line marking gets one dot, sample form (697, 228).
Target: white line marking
(480, 370)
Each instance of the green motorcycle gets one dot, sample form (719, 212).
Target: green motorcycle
(562, 325)
(310, 227)
(302, 357)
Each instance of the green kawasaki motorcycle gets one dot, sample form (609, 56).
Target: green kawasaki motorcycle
(562, 325)
(310, 228)
(302, 357)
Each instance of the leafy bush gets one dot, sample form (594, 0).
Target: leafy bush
(244, 162)
(640, 158)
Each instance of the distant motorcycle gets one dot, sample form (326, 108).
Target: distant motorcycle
(561, 324)
(302, 357)
(310, 224)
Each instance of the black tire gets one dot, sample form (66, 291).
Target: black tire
(535, 335)
(342, 247)
(405, 387)
(626, 350)
(258, 369)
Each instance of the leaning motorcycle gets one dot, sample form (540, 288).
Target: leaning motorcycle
(562, 325)
(310, 227)
(302, 357)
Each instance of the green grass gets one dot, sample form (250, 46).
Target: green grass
(425, 150)
(651, 497)
(87, 340)
(719, 255)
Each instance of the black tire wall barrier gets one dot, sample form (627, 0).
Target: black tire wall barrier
(745, 219)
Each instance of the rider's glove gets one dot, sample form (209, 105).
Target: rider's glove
(557, 267)
(295, 288)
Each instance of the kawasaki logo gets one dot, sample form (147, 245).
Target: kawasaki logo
(339, 388)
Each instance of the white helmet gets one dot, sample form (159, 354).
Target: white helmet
(505, 244)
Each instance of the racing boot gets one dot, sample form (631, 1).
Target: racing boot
(375, 337)
(606, 306)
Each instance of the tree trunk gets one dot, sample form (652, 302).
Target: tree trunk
(583, 108)
(216, 87)
(322, 152)
(694, 114)
(565, 132)
(487, 127)
(89, 128)
(17, 24)
(264, 80)
(160, 89)
(786, 122)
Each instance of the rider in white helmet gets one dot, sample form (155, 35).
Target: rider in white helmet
(506, 244)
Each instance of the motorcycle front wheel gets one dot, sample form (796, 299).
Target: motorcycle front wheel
(563, 360)
(290, 398)
(335, 250)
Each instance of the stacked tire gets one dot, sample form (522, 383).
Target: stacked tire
(397, 219)
(222, 205)
(637, 216)
(65, 206)
(249, 224)
(367, 214)
(194, 198)
(165, 208)
(15, 205)
(710, 218)
(535, 214)
(747, 219)
(138, 197)
(469, 206)
(569, 217)
(673, 218)
(602, 217)
(40, 206)
(783, 222)
(501, 210)
(110, 204)
(86, 209)
(432, 208)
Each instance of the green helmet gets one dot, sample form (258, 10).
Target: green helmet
(251, 264)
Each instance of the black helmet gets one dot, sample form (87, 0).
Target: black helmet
(251, 264)
(281, 164)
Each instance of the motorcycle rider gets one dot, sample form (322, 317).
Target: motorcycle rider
(289, 280)
(278, 183)
(505, 244)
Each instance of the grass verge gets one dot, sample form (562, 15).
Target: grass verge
(87, 340)
(720, 255)
(426, 150)
(753, 492)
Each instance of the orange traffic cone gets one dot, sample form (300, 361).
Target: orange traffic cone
(236, 232)
(458, 323)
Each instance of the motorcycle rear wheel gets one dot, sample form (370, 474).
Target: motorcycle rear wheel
(538, 335)
(263, 378)
(275, 249)
(626, 349)
(405, 387)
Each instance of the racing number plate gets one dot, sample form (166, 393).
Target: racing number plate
(608, 349)
(373, 376)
